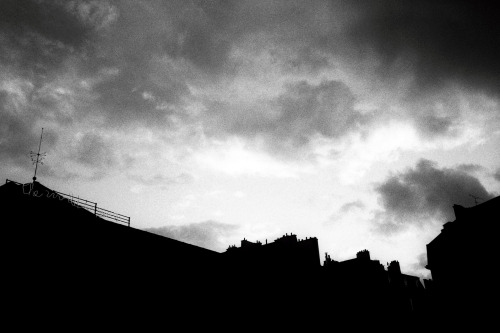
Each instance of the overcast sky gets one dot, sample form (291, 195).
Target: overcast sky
(357, 122)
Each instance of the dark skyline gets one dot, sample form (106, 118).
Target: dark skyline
(70, 255)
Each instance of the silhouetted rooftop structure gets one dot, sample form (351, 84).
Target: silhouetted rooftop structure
(366, 286)
(462, 256)
(286, 253)
(60, 252)
(37, 190)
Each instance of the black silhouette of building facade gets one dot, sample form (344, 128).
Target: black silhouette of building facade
(365, 286)
(279, 278)
(59, 252)
(462, 259)
(285, 254)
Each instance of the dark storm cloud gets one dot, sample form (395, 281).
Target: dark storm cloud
(136, 63)
(48, 18)
(140, 93)
(301, 112)
(434, 45)
(37, 36)
(441, 41)
(44, 40)
(419, 195)
(18, 135)
(158, 49)
(204, 234)
(150, 53)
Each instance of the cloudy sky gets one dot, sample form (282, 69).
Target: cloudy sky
(357, 122)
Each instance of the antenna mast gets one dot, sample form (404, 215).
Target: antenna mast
(39, 156)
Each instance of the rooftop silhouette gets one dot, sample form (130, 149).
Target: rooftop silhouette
(462, 257)
(65, 251)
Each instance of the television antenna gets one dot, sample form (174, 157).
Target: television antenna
(38, 157)
(475, 198)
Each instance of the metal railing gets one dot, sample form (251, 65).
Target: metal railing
(79, 202)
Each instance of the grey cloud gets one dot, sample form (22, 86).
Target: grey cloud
(345, 209)
(436, 113)
(326, 109)
(17, 138)
(142, 92)
(92, 150)
(437, 42)
(162, 180)
(94, 14)
(37, 36)
(204, 234)
(421, 261)
(191, 43)
(289, 121)
(150, 51)
(48, 18)
(18, 134)
(50, 171)
(139, 60)
(385, 226)
(419, 267)
(442, 41)
(436, 45)
(470, 168)
(496, 175)
(358, 204)
(44, 40)
(419, 195)
(431, 124)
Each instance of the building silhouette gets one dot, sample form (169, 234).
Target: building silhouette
(462, 259)
(73, 252)
(365, 286)
(285, 254)
(58, 251)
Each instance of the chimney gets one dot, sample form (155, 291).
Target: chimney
(363, 255)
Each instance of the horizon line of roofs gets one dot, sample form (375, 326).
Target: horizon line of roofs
(290, 241)
(356, 281)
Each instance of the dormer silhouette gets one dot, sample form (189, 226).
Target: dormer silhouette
(329, 262)
(363, 255)
(394, 268)
(459, 211)
(231, 248)
(287, 239)
(247, 244)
